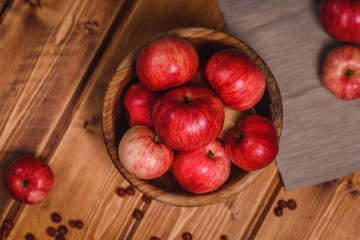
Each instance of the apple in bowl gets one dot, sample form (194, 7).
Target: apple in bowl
(138, 102)
(203, 170)
(237, 80)
(189, 117)
(166, 63)
(254, 144)
(143, 154)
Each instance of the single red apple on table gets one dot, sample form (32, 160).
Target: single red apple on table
(341, 19)
(202, 170)
(254, 144)
(138, 102)
(341, 72)
(166, 63)
(29, 180)
(188, 117)
(143, 154)
(235, 78)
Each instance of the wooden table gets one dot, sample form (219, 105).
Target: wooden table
(56, 59)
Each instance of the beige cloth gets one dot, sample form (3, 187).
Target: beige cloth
(321, 139)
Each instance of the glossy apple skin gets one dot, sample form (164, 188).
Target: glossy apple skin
(341, 72)
(254, 144)
(202, 170)
(341, 19)
(138, 102)
(235, 78)
(188, 117)
(29, 180)
(143, 154)
(166, 63)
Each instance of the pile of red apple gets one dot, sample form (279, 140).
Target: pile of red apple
(175, 114)
(341, 68)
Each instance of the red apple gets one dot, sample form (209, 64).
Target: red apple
(341, 19)
(166, 63)
(341, 72)
(138, 103)
(188, 117)
(29, 180)
(143, 154)
(235, 78)
(254, 144)
(202, 170)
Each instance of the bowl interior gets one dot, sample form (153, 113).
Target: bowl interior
(164, 189)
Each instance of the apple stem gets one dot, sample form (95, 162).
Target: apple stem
(210, 154)
(349, 72)
(157, 139)
(237, 136)
(25, 182)
(187, 99)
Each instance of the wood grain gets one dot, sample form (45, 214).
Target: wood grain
(51, 51)
(4, 5)
(324, 211)
(233, 217)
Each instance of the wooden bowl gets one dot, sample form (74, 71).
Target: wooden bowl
(164, 189)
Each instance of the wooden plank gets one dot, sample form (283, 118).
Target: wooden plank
(46, 60)
(4, 5)
(325, 211)
(263, 208)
